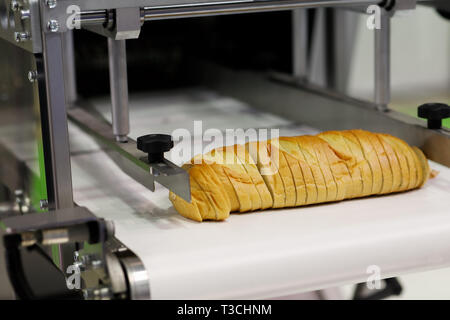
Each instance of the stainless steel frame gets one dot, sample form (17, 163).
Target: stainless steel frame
(21, 24)
(117, 54)
(95, 12)
(300, 43)
(383, 62)
(69, 70)
(57, 121)
(41, 27)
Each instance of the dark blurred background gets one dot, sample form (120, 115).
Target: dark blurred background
(162, 56)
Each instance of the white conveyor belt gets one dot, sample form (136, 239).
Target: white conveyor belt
(270, 253)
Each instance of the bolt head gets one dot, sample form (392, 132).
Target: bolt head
(43, 204)
(51, 3)
(53, 25)
(32, 77)
(24, 14)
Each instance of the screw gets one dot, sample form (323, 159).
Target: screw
(24, 14)
(22, 202)
(32, 76)
(53, 25)
(51, 3)
(43, 204)
(21, 36)
(15, 5)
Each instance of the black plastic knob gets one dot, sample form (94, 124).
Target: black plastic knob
(434, 113)
(155, 145)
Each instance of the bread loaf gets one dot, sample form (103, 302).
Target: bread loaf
(298, 171)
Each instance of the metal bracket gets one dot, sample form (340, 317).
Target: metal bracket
(132, 161)
(53, 220)
(123, 23)
(127, 23)
(20, 24)
(109, 271)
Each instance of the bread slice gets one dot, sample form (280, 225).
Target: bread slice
(340, 173)
(365, 170)
(402, 161)
(357, 165)
(371, 156)
(204, 204)
(383, 159)
(269, 172)
(394, 164)
(419, 167)
(227, 186)
(251, 187)
(321, 151)
(212, 186)
(403, 148)
(189, 210)
(299, 181)
(285, 172)
(424, 164)
(208, 182)
(306, 145)
(250, 165)
(291, 148)
(236, 173)
(341, 149)
(294, 165)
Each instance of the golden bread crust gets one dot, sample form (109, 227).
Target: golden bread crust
(296, 171)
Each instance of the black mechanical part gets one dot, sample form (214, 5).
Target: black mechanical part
(392, 288)
(434, 113)
(43, 281)
(155, 145)
(27, 262)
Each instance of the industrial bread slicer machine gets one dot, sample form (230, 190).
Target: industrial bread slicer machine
(45, 232)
